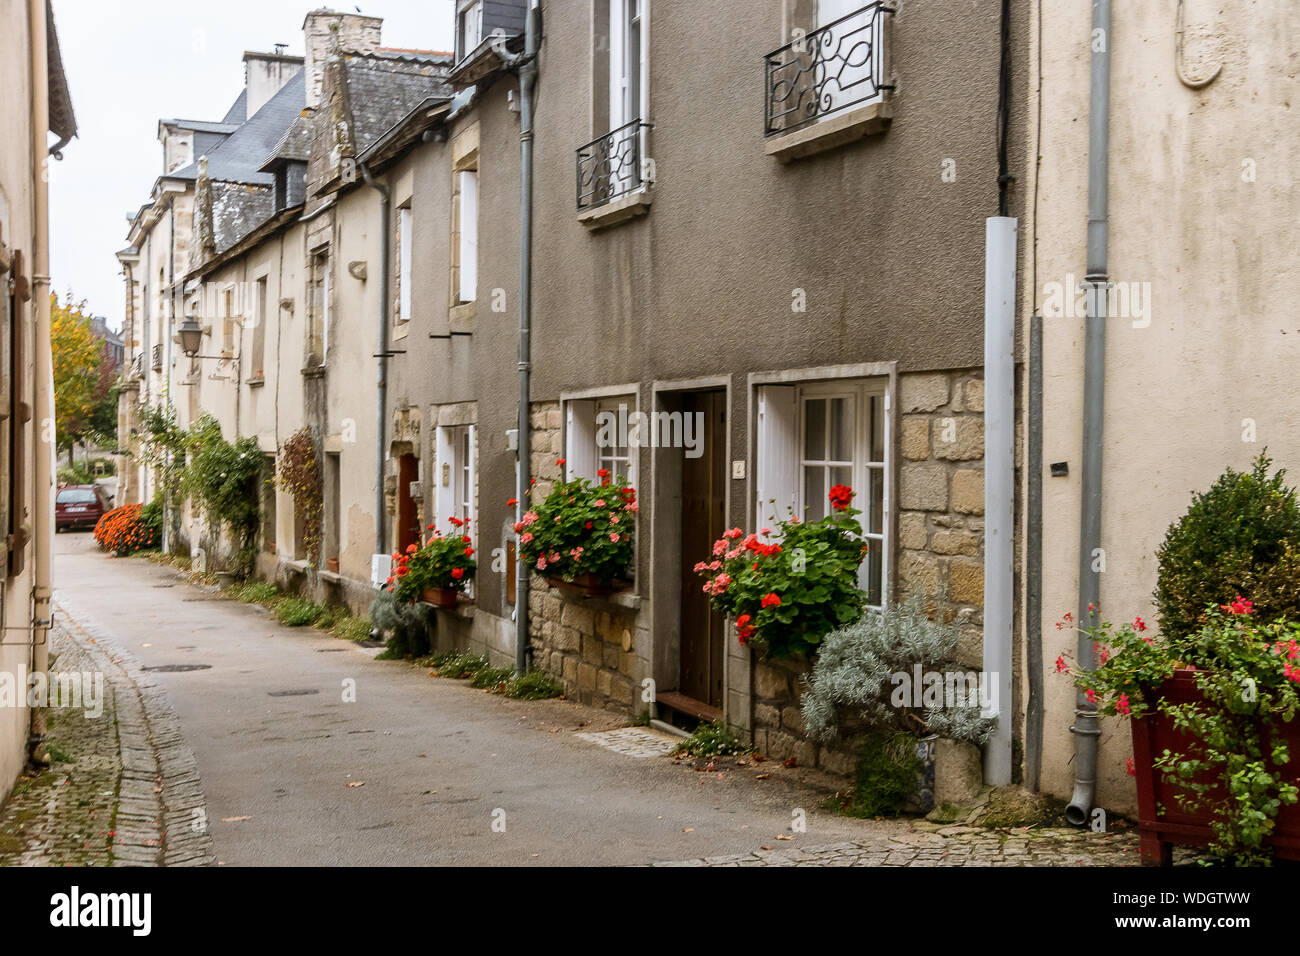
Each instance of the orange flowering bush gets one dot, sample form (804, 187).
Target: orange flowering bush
(129, 529)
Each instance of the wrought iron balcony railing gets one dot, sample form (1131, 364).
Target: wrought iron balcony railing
(824, 71)
(611, 165)
(157, 358)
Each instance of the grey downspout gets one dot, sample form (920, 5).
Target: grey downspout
(165, 321)
(526, 65)
(1086, 729)
(381, 391)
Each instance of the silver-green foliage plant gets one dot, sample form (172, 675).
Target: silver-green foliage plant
(855, 673)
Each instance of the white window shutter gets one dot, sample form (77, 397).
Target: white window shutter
(777, 484)
(580, 439)
(472, 478)
(404, 265)
(444, 479)
(468, 235)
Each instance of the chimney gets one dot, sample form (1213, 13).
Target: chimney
(356, 33)
(265, 75)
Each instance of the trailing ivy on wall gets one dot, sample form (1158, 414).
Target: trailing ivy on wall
(221, 480)
(299, 474)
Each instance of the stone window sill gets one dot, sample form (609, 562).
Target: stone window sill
(832, 133)
(257, 381)
(620, 210)
(464, 610)
(314, 371)
(401, 329)
(460, 318)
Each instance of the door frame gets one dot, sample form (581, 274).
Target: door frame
(664, 476)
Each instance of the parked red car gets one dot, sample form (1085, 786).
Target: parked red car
(79, 506)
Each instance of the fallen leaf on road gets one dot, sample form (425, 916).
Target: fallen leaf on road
(689, 830)
(782, 836)
(356, 783)
(765, 847)
(146, 645)
(234, 819)
(790, 762)
(761, 776)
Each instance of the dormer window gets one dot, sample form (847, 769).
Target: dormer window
(469, 27)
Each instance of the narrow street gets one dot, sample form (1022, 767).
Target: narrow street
(417, 770)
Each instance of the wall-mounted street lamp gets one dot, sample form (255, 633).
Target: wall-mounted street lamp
(191, 336)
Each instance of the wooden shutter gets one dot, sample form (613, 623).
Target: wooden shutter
(777, 465)
(20, 413)
(580, 439)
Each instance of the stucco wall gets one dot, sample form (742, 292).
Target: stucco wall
(1218, 344)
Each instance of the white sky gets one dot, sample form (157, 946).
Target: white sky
(133, 62)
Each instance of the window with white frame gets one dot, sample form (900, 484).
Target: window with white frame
(467, 227)
(469, 27)
(601, 434)
(625, 60)
(814, 436)
(404, 259)
(455, 490)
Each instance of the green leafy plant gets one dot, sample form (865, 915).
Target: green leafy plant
(443, 561)
(581, 528)
(867, 670)
(884, 775)
(256, 592)
(491, 678)
(353, 629)
(788, 593)
(297, 612)
(407, 628)
(1242, 536)
(715, 739)
(221, 479)
(535, 685)
(459, 666)
(1248, 674)
(299, 474)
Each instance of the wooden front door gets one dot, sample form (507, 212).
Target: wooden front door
(703, 516)
(408, 530)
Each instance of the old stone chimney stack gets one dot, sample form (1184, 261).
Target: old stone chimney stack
(356, 33)
(265, 75)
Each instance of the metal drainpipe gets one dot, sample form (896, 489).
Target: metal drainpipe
(43, 373)
(1086, 729)
(527, 80)
(381, 391)
(166, 321)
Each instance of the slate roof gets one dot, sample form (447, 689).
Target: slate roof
(238, 112)
(294, 145)
(238, 209)
(63, 123)
(239, 159)
(385, 87)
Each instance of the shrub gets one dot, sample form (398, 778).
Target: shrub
(221, 479)
(884, 776)
(352, 629)
(1242, 536)
(406, 627)
(712, 740)
(127, 530)
(459, 666)
(256, 592)
(299, 474)
(856, 671)
(788, 594)
(491, 678)
(535, 685)
(296, 612)
(581, 528)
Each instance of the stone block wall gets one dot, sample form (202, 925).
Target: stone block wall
(597, 647)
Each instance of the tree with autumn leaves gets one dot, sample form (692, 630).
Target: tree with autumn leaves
(85, 403)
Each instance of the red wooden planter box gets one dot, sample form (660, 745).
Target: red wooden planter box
(1155, 733)
(441, 597)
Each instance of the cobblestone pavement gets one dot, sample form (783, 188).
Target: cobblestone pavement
(122, 788)
(923, 844)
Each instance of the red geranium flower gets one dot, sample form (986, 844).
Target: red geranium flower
(841, 497)
(771, 599)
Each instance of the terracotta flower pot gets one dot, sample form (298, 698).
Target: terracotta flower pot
(587, 585)
(441, 597)
(1155, 733)
(332, 565)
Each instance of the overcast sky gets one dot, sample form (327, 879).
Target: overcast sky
(133, 62)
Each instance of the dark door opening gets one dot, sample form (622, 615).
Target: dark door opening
(408, 523)
(703, 521)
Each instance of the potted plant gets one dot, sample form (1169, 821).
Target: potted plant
(786, 594)
(580, 536)
(1213, 730)
(436, 572)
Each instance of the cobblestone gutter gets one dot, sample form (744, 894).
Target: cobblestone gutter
(123, 788)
